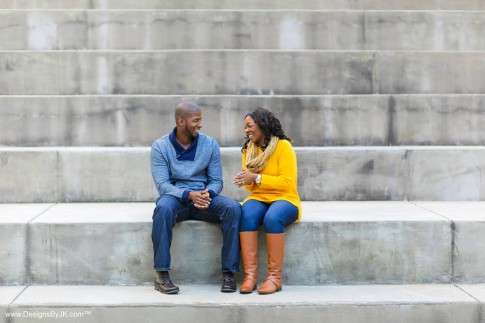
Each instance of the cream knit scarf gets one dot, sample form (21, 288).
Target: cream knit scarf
(255, 162)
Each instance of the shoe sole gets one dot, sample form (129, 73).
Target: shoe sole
(167, 292)
(247, 292)
(269, 293)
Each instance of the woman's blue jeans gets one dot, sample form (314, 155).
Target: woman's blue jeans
(273, 216)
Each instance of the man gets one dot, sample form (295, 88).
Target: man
(186, 169)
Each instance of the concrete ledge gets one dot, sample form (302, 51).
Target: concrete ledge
(246, 4)
(94, 174)
(344, 243)
(325, 120)
(240, 72)
(468, 223)
(186, 29)
(14, 241)
(7, 296)
(333, 304)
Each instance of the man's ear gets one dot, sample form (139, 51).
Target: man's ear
(180, 121)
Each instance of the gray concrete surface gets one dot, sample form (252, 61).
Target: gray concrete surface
(96, 174)
(186, 29)
(192, 72)
(7, 296)
(28, 176)
(337, 243)
(408, 303)
(14, 240)
(468, 227)
(309, 120)
(246, 4)
(240, 72)
(478, 292)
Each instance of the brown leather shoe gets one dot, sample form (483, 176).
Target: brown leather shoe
(164, 284)
(249, 255)
(275, 244)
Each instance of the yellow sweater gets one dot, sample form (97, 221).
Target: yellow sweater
(279, 178)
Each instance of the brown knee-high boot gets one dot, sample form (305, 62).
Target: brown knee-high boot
(249, 254)
(275, 244)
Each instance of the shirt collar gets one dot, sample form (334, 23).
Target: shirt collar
(182, 153)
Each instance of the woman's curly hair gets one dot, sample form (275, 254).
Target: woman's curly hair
(268, 123)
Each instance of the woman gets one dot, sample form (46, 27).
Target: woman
(269, 173)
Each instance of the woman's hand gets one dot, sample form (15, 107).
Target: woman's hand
(244, 178)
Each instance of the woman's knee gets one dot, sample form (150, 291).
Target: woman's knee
(273, 223)
(279, 215)
(251, 216)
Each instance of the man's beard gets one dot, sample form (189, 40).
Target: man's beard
(190, 134)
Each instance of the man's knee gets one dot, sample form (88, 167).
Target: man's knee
(230, 208)
(234, 212)
(166, 209)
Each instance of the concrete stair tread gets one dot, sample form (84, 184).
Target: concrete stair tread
(92, 174)
(251, 4)
(364, 242)
(321, 120)
(204, 303)
(207, 295)
(313, 211)
(221, 72)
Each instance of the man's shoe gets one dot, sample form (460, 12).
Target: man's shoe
(228, 283)
(164, 284)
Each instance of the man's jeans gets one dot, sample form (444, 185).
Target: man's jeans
(170, 210)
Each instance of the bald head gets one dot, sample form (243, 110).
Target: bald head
(188, 119)
(186, 109)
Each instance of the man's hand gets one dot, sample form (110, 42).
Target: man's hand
(244, 178)
(201, 199)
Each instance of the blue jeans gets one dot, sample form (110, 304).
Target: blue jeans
(274, 216)
(170, 210)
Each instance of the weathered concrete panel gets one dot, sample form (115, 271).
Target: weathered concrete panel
(334, 304)
(308, 120)
(28, 176)
(468, 223)
(430, 72)
(349, 243)
(333, 173)
(440, 174)
(14, 239)
(246, 4)
(358, 174)
(138, 120)
(185, 29)
(87, 175)
(7, 296)
(191, 72)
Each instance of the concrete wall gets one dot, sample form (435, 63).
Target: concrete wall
(308, 120)
(185, 29)
(334, 173)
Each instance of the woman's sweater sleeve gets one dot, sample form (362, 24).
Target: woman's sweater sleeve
(287, 170)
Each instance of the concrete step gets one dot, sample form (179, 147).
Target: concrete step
(246, 4)
(370, 120)
(240, 72)
(196, 29)
(336, 243)
(204, 303)
(96, 174)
